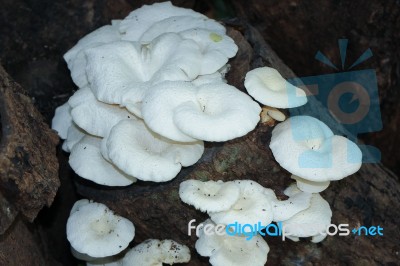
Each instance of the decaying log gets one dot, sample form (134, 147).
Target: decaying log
(370, 197)
(28, 164)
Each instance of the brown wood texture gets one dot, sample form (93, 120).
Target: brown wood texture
(28, 165)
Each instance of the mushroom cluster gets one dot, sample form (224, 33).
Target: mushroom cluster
(243, 202)
(100, 237)
(151, 90)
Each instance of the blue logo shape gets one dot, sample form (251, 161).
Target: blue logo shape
(351, 98)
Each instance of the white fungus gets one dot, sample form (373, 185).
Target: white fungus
(230, 250)
(307, 148)
(95, 230)
(210, 196)
(268, 87)
(154, 252)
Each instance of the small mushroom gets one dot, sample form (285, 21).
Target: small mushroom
(311, 222)
(154, 252)
(94, 229)
(254, 205)
(268, 87)
(229, 250)
(210, 196)
(269, 115)
(307, 148)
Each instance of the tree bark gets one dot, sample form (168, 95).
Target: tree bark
(28, 165)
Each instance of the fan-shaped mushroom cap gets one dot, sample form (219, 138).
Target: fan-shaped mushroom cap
(95, 230)
(211, 112)
(268, 87)
(137, 151)
(306, 147)
(210, 196)
(87, 161)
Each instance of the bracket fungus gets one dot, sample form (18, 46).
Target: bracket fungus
(94, 230)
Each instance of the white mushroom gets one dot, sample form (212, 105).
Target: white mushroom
(93, 116)
(229, 250)
(215, 48)
(210, 196)
(140, 20)
(95, 230)
(74, 135)
(137, 151)
(211, 112)
(87, 161)
(306, 147)
(62, 120)
(312, 222)
(268, 87)
(154, 252)
(75, 57)
(254, 205)
(121, 72)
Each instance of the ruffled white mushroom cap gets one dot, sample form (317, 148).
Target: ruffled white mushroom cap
(254, 205)
(268, 87)
(62, 120)
(121, 72)
(285, 209)
(75, 57)
(86, 160)
(137, 151)
(310, 186)
(154, 252)
(74, 135)
(93, 116)
(216, 48)
(211, 112)
(229, 250)
(95, 230)
(306, 147)
(210, 196)
(140, 20)
(312, 222)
